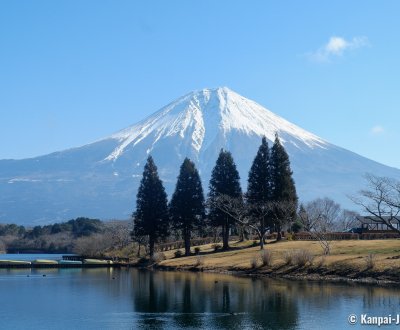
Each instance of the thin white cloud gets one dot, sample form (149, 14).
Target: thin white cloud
(337, 46)
(377, 130)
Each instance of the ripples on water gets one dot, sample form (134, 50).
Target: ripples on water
(101, 298)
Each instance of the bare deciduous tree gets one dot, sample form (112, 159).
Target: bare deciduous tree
(259, 219)
(319, 217)
(346, 220)
(256, 216)
(231, 206)
(381, 200)
(118, 233)
(2, 247)
(91, 246)
(322, 214)
(141, 240)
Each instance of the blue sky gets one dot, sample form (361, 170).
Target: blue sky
(72, 72)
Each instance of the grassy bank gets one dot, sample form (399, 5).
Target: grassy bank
(375, 261)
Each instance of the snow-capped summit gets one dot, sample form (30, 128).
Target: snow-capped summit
(101, 179)
(204, 116)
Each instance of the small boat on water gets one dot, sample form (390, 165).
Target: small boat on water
(14, 262)
(44, 262)
(97, 262)
(70, 262)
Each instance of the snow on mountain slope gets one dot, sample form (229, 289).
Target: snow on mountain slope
(201, 115)
(101, 179)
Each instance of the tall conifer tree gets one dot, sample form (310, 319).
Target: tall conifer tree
(259, 185)
(283, 188)
(259, 181)
(225, 180)
(151, 215)
(187, 204)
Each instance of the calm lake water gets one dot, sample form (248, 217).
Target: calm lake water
(133, 299)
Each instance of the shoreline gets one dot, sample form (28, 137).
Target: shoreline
(374, 262)
(313, 277)
(294, 274)
(44, 266)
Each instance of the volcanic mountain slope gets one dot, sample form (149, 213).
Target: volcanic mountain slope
(101, 179)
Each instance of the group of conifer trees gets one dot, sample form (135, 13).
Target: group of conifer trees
(270, 179)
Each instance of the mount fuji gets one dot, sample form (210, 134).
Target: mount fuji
(101, 179)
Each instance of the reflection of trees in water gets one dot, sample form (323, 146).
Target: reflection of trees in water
(212, 301)
(226, 301)
(196, 300)
(186, 316)
(221, 301)
(327, 295)
(377, 297)
(150, 296)
(200, 300)
(272, 307)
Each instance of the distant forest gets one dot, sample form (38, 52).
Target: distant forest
(65, 237)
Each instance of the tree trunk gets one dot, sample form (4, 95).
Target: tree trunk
(261, 242)
(138, 251)
(225, 235)
(279, 232)
(151, 246)
(215, 234)
(263, 233)
(186, 238)
(241, 235)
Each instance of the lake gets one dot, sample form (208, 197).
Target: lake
(106, 298)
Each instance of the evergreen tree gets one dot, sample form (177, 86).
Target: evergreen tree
(283, 189)
(259, 188)
(151, 215)
(187, 203)
(225, 180)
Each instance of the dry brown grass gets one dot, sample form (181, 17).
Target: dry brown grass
(345, 255)
(266, 257)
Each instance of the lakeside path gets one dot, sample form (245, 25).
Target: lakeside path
(367, 261)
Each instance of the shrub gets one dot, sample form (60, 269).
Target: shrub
(216, 247)
(370, 260)
(253, 262)
(158, 256)
(199, 261)
(288, 257)
(196, 250)
(321, 261)
(255, 243)
(266, 257)
(296, 227)
(142, 260)
(178, 254)
(302, 257)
